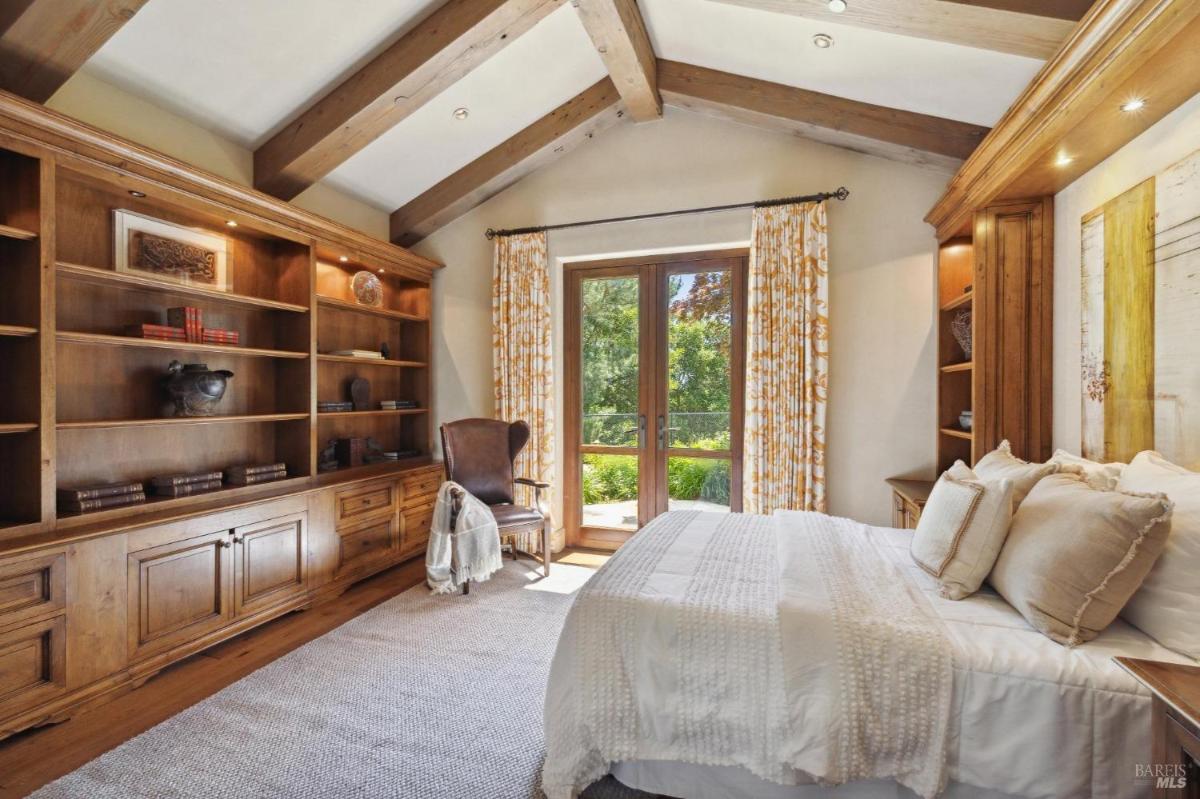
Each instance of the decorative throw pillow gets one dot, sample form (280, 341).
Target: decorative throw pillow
(962, 528)
(1001, 464)
(1103, 476)
(1075, 555)
(1167, 606)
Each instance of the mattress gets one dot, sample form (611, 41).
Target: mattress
(1029, 717)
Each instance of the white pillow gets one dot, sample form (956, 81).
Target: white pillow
(1167, 606)
(962, 528)
(1000, 464)
(1101, 476)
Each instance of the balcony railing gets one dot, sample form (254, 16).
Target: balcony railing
(701, 429)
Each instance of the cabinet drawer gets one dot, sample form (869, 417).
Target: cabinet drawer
(33, 664)
(32, 587)
(355, 504)
(367, 544)
(421, 488)
(417, 521)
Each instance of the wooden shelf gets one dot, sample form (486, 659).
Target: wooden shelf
(217, 498)
(97, 424)
(183, 346)
(958, 302)
(954, 432)
(958, 367)
(372, 361)
(108, 277)
(8, 429)
(398, 412)
(347, 473)
(10, 232)
(342, 305)
(17, 331)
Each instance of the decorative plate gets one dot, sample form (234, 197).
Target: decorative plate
(367, 289)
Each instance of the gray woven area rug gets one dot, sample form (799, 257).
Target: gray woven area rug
(422, 696)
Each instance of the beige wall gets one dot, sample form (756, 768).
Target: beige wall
(881, 411)
(1169, 140)
(103, 105)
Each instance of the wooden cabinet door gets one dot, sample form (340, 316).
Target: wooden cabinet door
(179, 592)
(271, 562)
(33, 664)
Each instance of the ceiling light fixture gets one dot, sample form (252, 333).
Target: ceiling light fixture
(1136, 104)
(823, 40)
(462, 113)
(837, 6)
(343, 258)
(1063, 159)
(231, 223)
(136, 193)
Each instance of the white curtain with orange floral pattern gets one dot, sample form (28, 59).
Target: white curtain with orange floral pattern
(523, 361)
(787, 360)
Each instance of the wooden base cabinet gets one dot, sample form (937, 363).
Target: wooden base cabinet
(80, 619)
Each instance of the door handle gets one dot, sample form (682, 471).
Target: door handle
(640, 430)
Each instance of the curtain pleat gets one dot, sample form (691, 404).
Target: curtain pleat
(787, 360)
(523, 364)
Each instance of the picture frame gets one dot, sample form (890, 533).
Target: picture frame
(170, 252)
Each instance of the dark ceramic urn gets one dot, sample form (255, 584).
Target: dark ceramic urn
(195, 389)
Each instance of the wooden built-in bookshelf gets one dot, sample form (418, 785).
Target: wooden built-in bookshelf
(955, 383)
(84, 401)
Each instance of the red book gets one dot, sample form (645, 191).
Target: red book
(217, 336)
(190, 319)
(162, 332)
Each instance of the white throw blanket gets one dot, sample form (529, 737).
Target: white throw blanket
(475, 539)
(796, 653)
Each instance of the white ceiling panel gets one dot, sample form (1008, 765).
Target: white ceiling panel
(243, 68)
(945, 80)
(510, 91)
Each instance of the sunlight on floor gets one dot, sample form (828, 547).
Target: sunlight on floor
(568, 574)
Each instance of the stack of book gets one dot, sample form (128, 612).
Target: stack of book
(100, 497)
(190, 319)
(158, 332)
(212, 335)
(334, 407)
(396, 405)
(253, 474)
(368, 354)
(182, 485)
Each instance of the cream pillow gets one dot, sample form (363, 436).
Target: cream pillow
(1103, 476)
(1167, 606)
(1001, 464)
(1075, 555)
(962, 528)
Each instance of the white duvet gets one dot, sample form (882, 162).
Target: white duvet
(704, 671)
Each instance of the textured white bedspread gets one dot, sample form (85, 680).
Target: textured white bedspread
(1028, 717)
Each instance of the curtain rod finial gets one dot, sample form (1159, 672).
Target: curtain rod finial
(842, 193)
(490, 233)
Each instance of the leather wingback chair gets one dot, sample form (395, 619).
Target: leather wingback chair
(479, 455)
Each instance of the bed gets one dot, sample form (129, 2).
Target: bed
(706, 659)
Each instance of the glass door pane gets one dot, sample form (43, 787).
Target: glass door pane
(610, 324)
(699, 409)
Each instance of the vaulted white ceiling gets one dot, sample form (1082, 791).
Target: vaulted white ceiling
(244, 68)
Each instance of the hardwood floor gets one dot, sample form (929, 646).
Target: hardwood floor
(36, 757)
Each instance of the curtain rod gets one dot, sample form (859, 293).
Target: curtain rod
(841, 194)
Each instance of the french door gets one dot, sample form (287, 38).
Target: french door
(655, 361)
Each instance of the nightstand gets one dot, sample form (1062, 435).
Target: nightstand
(1174, 726)
(908, 500)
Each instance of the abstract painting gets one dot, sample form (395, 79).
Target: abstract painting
(1141, 320)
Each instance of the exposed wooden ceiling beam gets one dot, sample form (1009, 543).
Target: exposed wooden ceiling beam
(440, 50)
(887, 132)
(619, 33)
(567, 126)
(958, 23)
(1059, 9)
(44, 42)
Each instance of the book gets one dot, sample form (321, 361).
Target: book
(185, 479)
(369, 354)
(190, 319)
(98, 491)
(238, 473)
(216, 336)
(335, 406)
(186, 489)
(101, 503)
(161, 332)
(255, 479)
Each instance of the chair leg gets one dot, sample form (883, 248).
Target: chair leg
(466, 587)
(546, 547)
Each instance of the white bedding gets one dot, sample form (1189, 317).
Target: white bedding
(1029, 718)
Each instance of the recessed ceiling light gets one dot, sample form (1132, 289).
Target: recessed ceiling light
(1063, 159)
(343, 258)
(136, 193)
(461, 113)
(837, 6)
(823, 40)
(231, 223)
(1136, 104)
